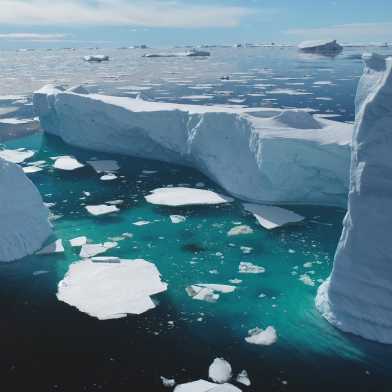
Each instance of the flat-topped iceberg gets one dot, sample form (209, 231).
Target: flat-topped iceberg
(357, 297)
(108, 290)
(24, 225)
(96, 58)
(258, 155)
(320, 46)
(188, 53)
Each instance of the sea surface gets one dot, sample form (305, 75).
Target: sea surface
(47, 345)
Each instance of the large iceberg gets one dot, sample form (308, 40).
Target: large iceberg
(258, 155)
(24, 225)
(357, 297)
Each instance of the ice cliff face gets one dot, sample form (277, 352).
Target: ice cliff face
(358, 296)
(24, 222)
(257, 155)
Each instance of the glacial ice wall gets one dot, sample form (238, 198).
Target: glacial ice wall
(357, 297)
(258, 155)
(24, 224)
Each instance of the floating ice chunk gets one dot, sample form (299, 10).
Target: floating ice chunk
(96, 58)
(111, 290)
(90, 250)
(208, 292)
(141, 223)
(67, 163)
(306, 279)
(108, 177)
(168, 382)
(32, 169)
(195, 386)
(78, 241)
(40, 272)
(262, 337)
(240, 230)
(188, 53)
(101, 209)
(54, 247)
(16, 156)
(181, 196)
(243, 378)
(271, 217)
(220, 371)
(249, 268)
(104, 166)
(177, 218)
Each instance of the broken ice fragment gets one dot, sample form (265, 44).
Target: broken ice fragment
(177, 218)
(220, 371)
(240, 230)
(78, 241)
(54, 247)
(243, 378)
(249, 268)
(67, 163)
(263, 337)
(101, 209)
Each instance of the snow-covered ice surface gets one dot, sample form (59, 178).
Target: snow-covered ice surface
(264, 155)
(181, 196)
(111, 290)
(357, 297)
(24, 224)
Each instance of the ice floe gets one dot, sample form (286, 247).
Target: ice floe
(101, 209)
(262, 337)
(208, 292)
(111, 290)
(90, 250)
(96, 58)
(271, 217)
(16, 156)
(240, 230)
(177, 219)
(250, 268)
(78, 241)
(181, 196)
(67, 163)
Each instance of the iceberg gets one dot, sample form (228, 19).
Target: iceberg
(111, 290)
(258, 155)
(24, 224)
(243, 378)
(320, 46)
(188, 53)
(357, 298)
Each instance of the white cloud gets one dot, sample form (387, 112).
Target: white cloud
(151, 13)
(356, 31)
(32, 37)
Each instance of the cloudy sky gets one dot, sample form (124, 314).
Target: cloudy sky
(43, 23)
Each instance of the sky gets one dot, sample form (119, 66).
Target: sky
(160, 23)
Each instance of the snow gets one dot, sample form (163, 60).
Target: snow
(177, 219)
(259, 155)
(220, 371)
(16, 156)
(54, 247)
(262, 337)
(320, 46)
(357, 297)
(101, 209)
(240, 230)
(67, 163)
(78, 241)
(272, 217)
(181, 196)
(111, 290)
(24, 224)
(249, 268)
(90, 250)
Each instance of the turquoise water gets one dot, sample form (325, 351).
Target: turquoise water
(184, 335)
(50, 345)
